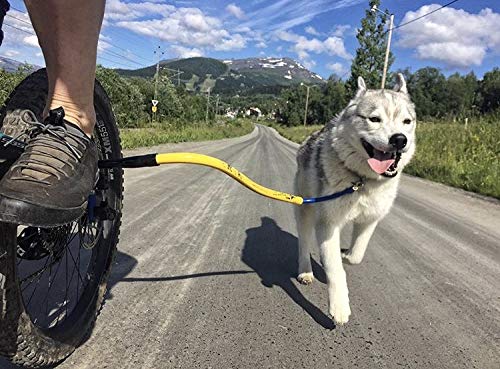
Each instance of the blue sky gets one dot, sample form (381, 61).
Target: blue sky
(318, 33)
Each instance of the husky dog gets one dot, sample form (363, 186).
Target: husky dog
(370, 141)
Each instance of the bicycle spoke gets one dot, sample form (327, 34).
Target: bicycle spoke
(74, 262)
(37, 283)
(50, 286)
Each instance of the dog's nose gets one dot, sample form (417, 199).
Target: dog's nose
(398, 141)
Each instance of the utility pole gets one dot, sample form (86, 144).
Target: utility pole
(217, 107)
(208, 104)
(178, 77)
(307, 102)
(388, 48)
(159, 53)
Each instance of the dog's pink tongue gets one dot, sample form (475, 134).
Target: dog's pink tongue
(380, 166)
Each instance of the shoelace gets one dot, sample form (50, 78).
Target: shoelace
(38, 140)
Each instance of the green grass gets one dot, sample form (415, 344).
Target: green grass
(164, 133)
(467, 158)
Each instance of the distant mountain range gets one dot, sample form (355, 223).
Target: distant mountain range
(11, 65)
(232, 76)
(241, 76)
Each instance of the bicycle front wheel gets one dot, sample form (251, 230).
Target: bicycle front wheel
(53, 281)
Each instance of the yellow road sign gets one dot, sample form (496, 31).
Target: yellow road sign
(154, 109)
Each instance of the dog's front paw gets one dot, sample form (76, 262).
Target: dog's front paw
(306, 278)
(353, 259)
(340, 312)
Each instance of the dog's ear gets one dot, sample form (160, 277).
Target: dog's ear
(361, 87)
(400, 84)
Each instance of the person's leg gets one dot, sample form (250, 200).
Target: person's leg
(49, 184)
(68, 31)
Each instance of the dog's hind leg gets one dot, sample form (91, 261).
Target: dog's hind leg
(305, 227)
(361, 234)
(338, 295)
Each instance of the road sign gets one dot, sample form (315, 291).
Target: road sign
(155, 102)
(154, 109)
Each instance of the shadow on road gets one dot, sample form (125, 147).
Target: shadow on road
(187, 276)
(124, 264)
(273, 254)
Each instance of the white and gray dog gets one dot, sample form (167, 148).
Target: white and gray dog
(370, 141)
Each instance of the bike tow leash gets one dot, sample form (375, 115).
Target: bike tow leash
(10, 149)
(152, 160)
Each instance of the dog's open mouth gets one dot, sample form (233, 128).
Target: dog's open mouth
(381, 162)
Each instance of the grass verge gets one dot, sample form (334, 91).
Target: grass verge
(452, 154)
(296, 134)
(164, 133)
(459, 156)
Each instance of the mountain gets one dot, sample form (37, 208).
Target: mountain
(233, 76)
(11, 65)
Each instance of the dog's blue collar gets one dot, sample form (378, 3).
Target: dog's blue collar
(355, 187)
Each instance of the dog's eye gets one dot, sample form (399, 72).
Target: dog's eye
(407, 121)
(375, 119)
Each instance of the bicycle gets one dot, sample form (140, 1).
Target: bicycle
(53, 281)
(38, 336)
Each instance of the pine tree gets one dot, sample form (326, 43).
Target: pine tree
(369, 60)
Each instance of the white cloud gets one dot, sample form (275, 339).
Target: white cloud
(234, 42)
(235, 10)
(303, 46)
(452, 36)
(340, 30)
(309, 63)
(337, 68)
(282, 15)
(312, 31)
(335, 46)
(185, 52)
(261, 45)
(31, 41)
(11, 53)
(104, 43)
(187, 27)
(23, 34)
(119, 10)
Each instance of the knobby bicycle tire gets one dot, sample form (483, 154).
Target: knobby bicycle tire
(24, 340)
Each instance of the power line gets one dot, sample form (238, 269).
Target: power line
(128, 51)
(106, 51)
(112, 61)
(19, 19)
(20, 29)
(112, 53)
(423, 16)
(121, 56)
(127, 38)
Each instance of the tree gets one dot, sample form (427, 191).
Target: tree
(9, 81)
(126, 98)
(459, 96)
(334, 99)
(369, 60)
(490, 91)
(428, 92)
